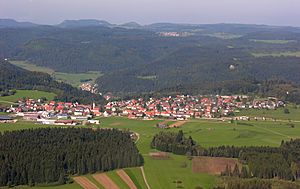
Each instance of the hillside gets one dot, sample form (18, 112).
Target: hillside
(13, 77)
(142, 59)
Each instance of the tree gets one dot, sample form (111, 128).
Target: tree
(286, 111)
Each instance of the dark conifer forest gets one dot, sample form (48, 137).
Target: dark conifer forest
(51, 155)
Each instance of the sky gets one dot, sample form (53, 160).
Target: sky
(270, 12)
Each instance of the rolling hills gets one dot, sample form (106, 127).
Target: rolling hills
(13, 77)
(142, 59)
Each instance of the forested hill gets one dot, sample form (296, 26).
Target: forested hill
(146, 59)
(13, 77)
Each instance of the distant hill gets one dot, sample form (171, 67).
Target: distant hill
(13, 77)
(131, 25)
(10, 23)
(83, 23)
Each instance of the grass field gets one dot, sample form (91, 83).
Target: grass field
(75, 78)
(277, 114)
(71, 78)
(136, 176)
(162, 174)
(277, 54)
(273, 41)
(26, 93)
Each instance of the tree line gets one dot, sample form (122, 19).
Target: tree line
(52, 155)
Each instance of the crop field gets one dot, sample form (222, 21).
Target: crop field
(26, 93)
(71, 78)
(177, 170)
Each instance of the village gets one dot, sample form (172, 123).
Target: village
(180, 107)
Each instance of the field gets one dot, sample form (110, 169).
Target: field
(212, 165)
(224, 35)
(71, 78)
(164, 173)
(276, 114)
(277, 54)
(26, 93)
(149, 77)
(273, 41)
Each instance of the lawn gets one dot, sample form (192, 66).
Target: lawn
(26, 93)
(161, 174)
(71, 78)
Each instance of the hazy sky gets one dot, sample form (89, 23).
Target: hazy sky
(272, 12)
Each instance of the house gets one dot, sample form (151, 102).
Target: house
(46, 121)
(62, 116)
(79, 118)
(96, 122)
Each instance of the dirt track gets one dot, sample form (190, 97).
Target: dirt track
(123, 175)
(144, 177)
(105, 181)
(177, 124)
(85, 183)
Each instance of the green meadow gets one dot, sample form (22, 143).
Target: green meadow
(27, 94)
(294, 113)
(163, 174)
(72, 78)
